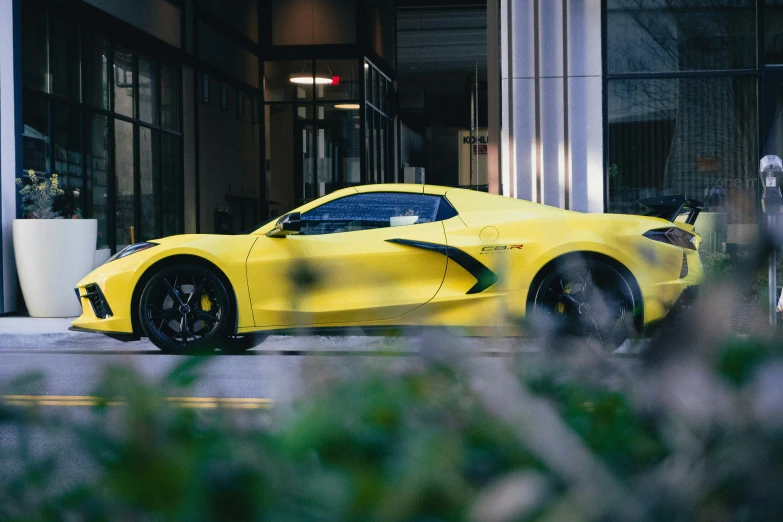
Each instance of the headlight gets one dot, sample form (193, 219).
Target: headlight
(131, 249)
(672, 236)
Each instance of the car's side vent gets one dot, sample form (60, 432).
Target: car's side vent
(684, 269)
(99, 304)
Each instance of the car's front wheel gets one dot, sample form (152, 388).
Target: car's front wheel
(586, 298)
(185, 308)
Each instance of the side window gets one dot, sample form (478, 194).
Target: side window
(374, 210)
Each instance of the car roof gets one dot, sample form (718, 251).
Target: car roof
(403, 187)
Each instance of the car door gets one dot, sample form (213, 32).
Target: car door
(350, 262)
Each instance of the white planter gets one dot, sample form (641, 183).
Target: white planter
(101, 256)
(52, 255)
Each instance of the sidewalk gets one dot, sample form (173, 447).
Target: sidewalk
(18, 331)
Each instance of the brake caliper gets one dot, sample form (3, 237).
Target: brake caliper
(206, 303)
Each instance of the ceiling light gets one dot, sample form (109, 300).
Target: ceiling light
(303, 79)
(348, 106)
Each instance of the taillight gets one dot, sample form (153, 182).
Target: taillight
(673, 236)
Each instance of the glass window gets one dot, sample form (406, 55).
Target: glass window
(171, 165)
(149, 183)
(287, 81)
(95, 70)
(344, 75)
(64, 53)
(35, 139)
(148, 90)
(773, 27)
(124, 193)
(123, 81)
(96, 149)
(35, 57)
(288, 153)
(692, 136)
(370, 210)
(655, 36)
(169, 98)
(67, 135)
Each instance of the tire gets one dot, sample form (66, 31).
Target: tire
(585, 298)
(185, 308)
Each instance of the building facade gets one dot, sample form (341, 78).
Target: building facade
(172, 116)
(605, 102)
(184, 116)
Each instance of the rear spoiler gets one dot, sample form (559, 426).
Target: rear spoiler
(669, 207)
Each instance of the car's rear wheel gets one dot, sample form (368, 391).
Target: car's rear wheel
(586, 298)
(185, 308)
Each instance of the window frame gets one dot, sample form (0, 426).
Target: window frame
(444, 210)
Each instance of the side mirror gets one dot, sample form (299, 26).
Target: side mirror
(286, 225)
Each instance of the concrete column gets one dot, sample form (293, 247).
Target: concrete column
(10, 124)
(551, 102)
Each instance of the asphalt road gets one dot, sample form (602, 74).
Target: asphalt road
(279, 370)
(275, 373)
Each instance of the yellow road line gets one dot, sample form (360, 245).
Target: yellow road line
(241, 403)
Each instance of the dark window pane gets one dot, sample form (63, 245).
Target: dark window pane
(123, 181)
(96, 149)
(345, 82)
(171, 166)
(123, 81)
(692, 136)
(67, 134)
(149, 180)
(669, 35)
(773, 26)
(35, 62)
(367, 211)
(286, 147)
(339, 139)
(148, 90)
(285, 81)
(169, 98)
(35, 139)
(95, 70)
(64, 51)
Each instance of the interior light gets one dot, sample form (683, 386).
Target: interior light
(302, 79)
(348, 106)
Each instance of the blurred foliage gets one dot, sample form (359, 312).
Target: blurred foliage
(697, 436)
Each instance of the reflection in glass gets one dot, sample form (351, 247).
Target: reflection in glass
(773, 27)
(693, 136)
(169, 98)
(668, 35)
(287, 81)
(339, 156)
(123, 81)
(35, 58)
(345, 82)
(123, 182)
(97, 156)
(64, 53)
(95, 70)
(149, 183)
(171, 193)
(66, 131)
(286, 146)
(35, 138)
(148, 90)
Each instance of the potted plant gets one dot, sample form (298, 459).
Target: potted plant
(52, 254)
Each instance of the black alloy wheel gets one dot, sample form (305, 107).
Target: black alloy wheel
(585, 298)
(185, 308)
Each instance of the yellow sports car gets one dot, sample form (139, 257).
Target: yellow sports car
(397, 256)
